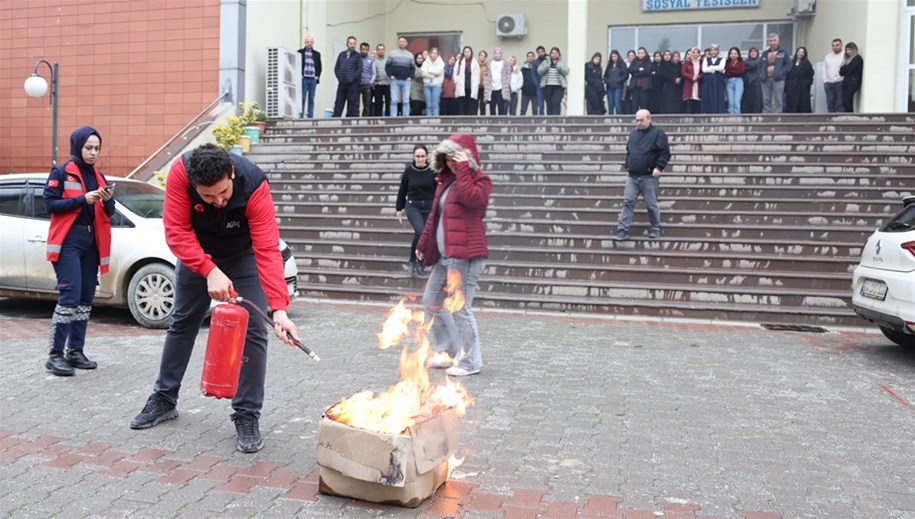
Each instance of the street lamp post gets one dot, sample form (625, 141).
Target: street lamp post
(36, 86)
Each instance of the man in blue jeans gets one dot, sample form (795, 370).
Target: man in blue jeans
(400, 67)
(647, 154)
(311, 75)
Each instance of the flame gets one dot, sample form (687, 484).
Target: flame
(414, 396)
(455, 301)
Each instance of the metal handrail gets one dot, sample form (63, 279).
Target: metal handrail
(181, 132)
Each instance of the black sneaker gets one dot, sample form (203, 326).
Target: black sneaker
(78, 360)
(156, 410)
(620, 236)
(58, 365)
(249, 434)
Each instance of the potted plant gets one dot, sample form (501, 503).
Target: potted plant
(251, 115)
(228, 134)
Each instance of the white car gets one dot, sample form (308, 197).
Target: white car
(884, 283)
(142, 270)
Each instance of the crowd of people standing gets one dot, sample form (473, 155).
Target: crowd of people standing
(710, 81)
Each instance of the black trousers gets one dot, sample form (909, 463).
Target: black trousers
(529, 100)
(347, 94)
(417, 214)
(848, 97)
(365, 91)
(382, 100)
(552, 96)
(467, 105)
(497, 105)
(191, 304)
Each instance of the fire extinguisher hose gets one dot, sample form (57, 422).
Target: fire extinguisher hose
(258, 311)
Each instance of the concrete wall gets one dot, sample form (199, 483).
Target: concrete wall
(271, 23)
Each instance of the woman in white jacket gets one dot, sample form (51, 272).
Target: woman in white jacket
(467, 85)
(516, 84)
(433, 70)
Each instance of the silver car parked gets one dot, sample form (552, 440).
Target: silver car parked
(142, 271)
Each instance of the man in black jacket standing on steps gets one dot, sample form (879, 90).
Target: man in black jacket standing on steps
(348, 71)
(647, 154)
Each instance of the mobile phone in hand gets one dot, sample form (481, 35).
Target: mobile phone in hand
(110, 187)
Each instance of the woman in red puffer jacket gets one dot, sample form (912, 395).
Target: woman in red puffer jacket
(454, 243)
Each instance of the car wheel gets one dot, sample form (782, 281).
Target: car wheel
(901, 339)
(151, 295)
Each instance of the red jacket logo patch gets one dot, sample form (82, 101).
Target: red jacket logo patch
(198, 208)
(53, 183)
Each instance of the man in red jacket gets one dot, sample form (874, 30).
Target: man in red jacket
(220, 223)
(454, 240)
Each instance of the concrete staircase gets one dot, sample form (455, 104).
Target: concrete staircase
(763, 216)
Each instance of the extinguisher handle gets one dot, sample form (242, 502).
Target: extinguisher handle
(265, 317)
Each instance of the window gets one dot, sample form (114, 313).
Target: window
(9, 200)
(35, 203)
(448, 43)
(681, 37)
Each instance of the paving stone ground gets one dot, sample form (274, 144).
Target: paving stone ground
(574, 417)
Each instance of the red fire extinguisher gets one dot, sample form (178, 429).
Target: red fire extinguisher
(225, 347)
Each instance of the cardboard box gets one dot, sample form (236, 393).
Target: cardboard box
(399, 469)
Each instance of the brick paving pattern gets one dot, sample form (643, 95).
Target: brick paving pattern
(583, 418)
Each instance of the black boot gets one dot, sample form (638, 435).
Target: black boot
(78, 360)
(58, 365)
(418, 269)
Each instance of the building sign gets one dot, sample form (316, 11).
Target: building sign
(678, 5)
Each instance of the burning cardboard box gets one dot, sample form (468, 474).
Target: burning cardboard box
(400, 469)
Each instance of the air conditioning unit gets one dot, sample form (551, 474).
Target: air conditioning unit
(284, 83)
(511, 25)
(806, 7)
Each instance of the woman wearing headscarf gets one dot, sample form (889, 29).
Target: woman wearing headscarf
(640, 80)
(852, 70)
(417, 187)
(713, 83)
(497, 80)
(594, 85)
(553, 72)
(467, 83)
(78, 198)
(417, 86)
(668, 75)
(454, 242)
(449, 102)
(751, 103)
(798, 81)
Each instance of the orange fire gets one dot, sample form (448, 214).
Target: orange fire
(414, 396)
(455, 301)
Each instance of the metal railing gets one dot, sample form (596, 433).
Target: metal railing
(192, 124)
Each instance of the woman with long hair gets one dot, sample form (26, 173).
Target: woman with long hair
(417, 188)
(553, 72)
(79, 200)
(852, 70)
(734, 70)
(691, 71)
(615, 77)
(640, 80)
(433, 72)
(751, 103)
(467, 82)
(594, 86)
(798, 81)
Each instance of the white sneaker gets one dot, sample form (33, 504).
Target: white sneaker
(456, 371)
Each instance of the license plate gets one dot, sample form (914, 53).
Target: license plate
(874, 289)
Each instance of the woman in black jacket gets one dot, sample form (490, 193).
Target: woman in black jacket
(851, 71)
(669, 77)
(615, 77)
(594, 86)
(417, 189)
(751, 103)
(798, 82)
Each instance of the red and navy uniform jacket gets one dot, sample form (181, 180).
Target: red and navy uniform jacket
(68, 180)
(198, 233)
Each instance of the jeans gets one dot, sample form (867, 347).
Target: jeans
(497, 103)
(433, 94)
(541, 102)
(191, 304)
(735, 93)
(553, 96)
(529, 100)
(833, 96)
(77, 270)
(647, 185)
(513, 104)
(400, 93)
(773, 91)
(417, 214)
(613, 101)
(309, 85)
(457, 334)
